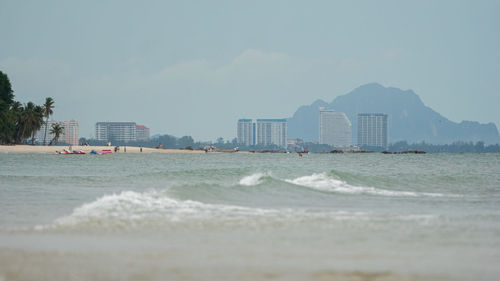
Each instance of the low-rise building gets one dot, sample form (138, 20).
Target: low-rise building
(142, 133)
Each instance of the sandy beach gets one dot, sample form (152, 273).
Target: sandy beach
(88, 149)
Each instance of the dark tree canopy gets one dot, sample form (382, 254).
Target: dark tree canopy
(6, 93)
(19, 122)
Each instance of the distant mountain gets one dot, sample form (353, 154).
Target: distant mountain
(409, 118)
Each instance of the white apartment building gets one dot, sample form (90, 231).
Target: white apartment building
(246, 132)
(116, 131)
(262, 132)
(272, 131)
(372, 130)
(335, 128)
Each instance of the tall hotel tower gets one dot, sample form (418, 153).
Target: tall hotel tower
(372, 130)
(262, 132)
(246, 131)
(335, 128)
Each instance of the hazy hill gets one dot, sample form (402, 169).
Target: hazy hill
(409, 118)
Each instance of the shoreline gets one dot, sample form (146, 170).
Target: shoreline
(24, 148)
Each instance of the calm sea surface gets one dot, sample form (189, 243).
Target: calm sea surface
(249, 217)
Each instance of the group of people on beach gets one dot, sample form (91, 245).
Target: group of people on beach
(209, 148)
(117, 149)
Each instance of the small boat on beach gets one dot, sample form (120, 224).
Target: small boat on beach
(65, 151)
(104, 151)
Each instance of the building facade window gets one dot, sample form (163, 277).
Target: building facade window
(262, 132)
(335, 128)
(373, 130)
(116, 131)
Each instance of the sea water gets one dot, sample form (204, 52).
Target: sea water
(249, 217)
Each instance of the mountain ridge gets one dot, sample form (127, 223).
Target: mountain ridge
(409, 118)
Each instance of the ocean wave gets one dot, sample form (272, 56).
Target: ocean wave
(325, 183)
(131, 207)
(253, 179)
(135, 210)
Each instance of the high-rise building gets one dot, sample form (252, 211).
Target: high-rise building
(40, 135)
(71, 132)
(142, 133)
(262, 132)
(115, 131)
(372, 130)
(272, 131)
(335, 128)
(246, 132)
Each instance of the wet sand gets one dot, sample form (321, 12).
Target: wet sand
(49, 265)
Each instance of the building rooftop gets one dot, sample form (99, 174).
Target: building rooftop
(271, 120)
(121, 123)
(372, 114)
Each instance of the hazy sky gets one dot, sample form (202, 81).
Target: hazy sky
(195, 67)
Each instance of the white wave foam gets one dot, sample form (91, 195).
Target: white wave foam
(253, 179)
(131, 208)
(324, 183)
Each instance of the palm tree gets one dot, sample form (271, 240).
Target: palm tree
(33, 120)
(26, 117)
(48, 106)
(57, 131)
(30, 121)
(37, 122)
(9, 123)
(17, 109)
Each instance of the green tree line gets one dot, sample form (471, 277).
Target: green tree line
(20, 122)
(166, 141)
(169, 141)
(456, 147)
